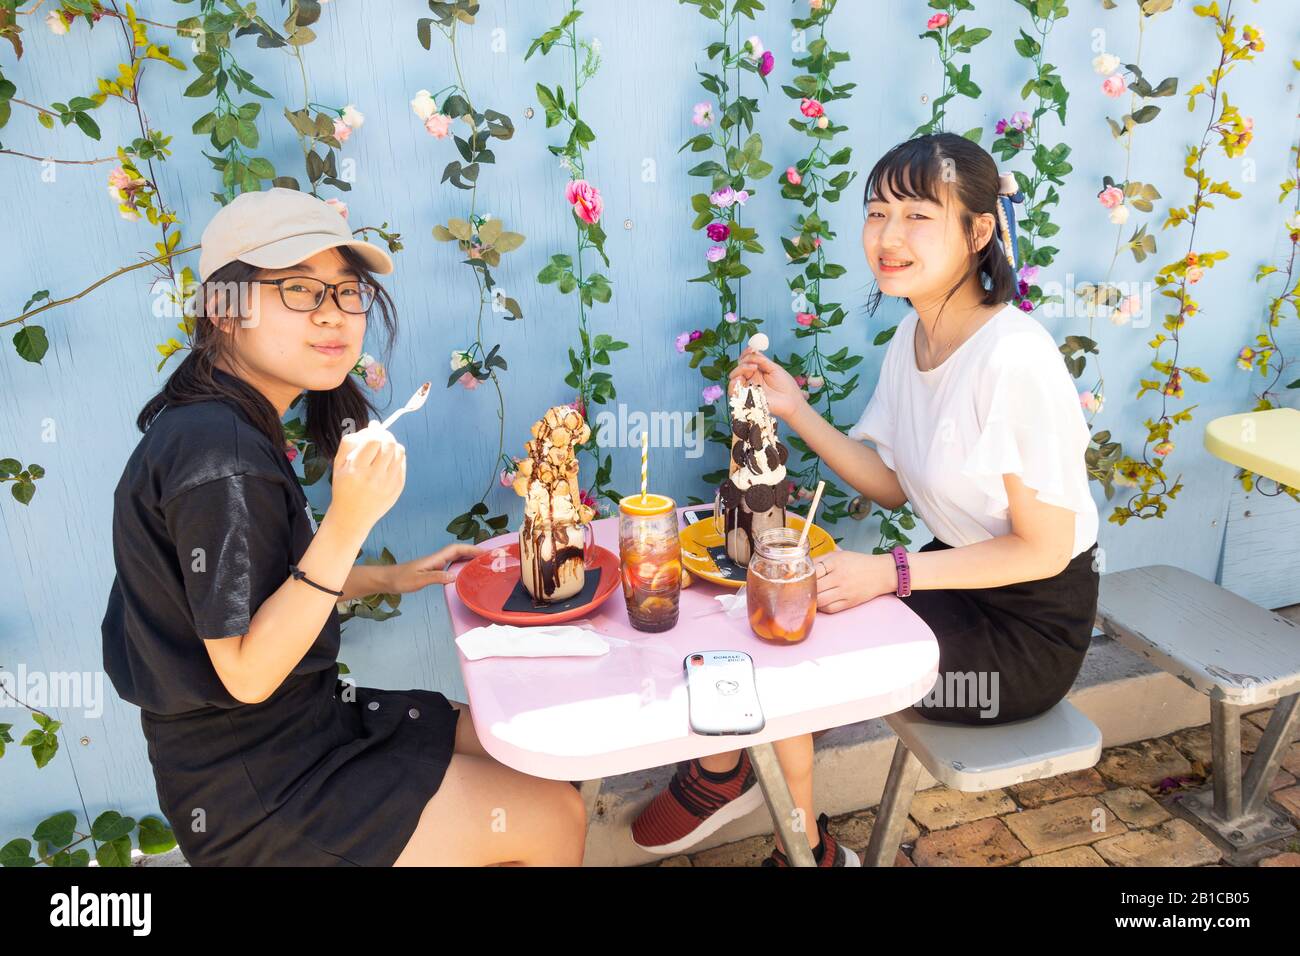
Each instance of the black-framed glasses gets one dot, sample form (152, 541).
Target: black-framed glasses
(306, 293)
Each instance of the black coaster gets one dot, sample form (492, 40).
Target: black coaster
(726, 567)
(521, 600)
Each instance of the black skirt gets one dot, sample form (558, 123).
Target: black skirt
(1010, 652)
(308, 777)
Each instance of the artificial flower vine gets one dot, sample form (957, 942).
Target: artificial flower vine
(1233, 133)
(483, 238)
(1267, 356)
(809, 182)
(569, 272)
(1121, 304)
(1022, 133)
(951, 39)
(740, 163)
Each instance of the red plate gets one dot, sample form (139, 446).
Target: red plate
(484, 590)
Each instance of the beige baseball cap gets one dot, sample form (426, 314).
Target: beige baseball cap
(278, 228)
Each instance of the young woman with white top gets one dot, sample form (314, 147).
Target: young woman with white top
(977, 425)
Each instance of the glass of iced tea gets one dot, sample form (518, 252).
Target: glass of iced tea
(781, 587)
(650, 560)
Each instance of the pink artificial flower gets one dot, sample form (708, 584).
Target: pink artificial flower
(711, 394)
(792, 176)
(805, 319)
(1088, 400)
(1029, 273)
(469, 381)
(765, 63)
(718, 231)
(730, 318)
(438, 124)
(1026, 306)
(1022, 287)
(1111, 196)
(724, 197)
(376, 375)
(586, 498)
(937, 22)
(290, 450)
(716, 253)
(1194, 274)
(681, 341)
(1163, 449)
(586, 201)
(507, 478)
(1020, 120)
(814, 5)
(1001, 127)
(339, 205)
(1114, 86)
(1132, 305)
(342, 131)
(703, 114)
(810, 107)
(697, 334)
(800, 381)
(579, 406)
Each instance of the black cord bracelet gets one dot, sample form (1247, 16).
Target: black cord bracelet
(302, 576)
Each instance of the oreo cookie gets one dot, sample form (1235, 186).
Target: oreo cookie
(782, 452)
(751, 461)
(755, 434)
(760, 498)
(738, 453)
(729, 493)
(782, 495)
(773, 457)
(739, 429)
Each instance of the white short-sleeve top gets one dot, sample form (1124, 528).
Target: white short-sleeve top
(1002, 403)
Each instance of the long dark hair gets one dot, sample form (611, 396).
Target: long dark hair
(196, 378)
(921, 168)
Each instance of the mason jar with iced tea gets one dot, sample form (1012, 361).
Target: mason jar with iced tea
(781, 587)
(650, 559)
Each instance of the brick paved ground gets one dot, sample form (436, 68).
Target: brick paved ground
(1119, 813)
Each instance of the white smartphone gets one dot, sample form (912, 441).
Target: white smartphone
(721, 692)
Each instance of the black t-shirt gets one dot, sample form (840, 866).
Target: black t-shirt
(207, 518)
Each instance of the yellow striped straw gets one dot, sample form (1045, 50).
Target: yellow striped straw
(645, 462)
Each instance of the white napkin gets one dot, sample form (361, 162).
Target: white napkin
(552, 640)
(734, 604)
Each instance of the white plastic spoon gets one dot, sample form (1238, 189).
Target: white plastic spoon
(416, 402)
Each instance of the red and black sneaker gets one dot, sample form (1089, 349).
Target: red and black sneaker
(693, 806)
(833, 853)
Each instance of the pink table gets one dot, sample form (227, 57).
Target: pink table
(585, 718)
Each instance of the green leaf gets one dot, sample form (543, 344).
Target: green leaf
(110, 825)
(31, 343)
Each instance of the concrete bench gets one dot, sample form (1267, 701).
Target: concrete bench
(1238, 654)
(972, 758)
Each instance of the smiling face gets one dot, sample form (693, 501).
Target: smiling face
(918, 248)
(282, 351)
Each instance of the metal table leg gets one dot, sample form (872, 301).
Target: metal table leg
(780, 804)
(590, 790)
(1235, 809)
(900, 787)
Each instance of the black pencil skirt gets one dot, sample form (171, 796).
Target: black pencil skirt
(1010, 652)
(307, 777)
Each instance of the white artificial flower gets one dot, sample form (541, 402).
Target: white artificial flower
(755, 48)
(424, 105)
(56, 23)
(352, 116)
(1293, 223)
(459, 359)
(366, 360)
(1105, 64)
(1119, 215)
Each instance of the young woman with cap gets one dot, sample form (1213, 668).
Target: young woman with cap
(222, 624)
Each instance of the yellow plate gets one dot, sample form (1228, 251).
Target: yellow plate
(699, 537)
